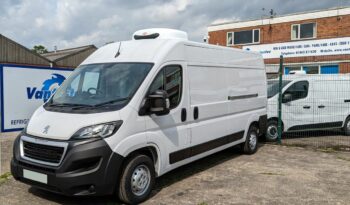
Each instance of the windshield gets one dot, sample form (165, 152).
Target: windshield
(272, 87)
(100, 84)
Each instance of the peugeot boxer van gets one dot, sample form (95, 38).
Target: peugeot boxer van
(134, 110)
(310, 102)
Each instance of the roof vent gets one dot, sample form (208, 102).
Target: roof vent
(159, 33)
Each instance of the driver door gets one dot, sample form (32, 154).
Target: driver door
(297, 113)
(170, 131)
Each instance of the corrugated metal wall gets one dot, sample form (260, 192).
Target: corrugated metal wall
(74, 60)
(12, 52)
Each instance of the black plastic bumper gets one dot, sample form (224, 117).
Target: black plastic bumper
(262, 124)
(88, 168)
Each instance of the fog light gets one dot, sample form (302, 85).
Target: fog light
(92, 189)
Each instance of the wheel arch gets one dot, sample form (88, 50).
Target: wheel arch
(275, 119)
(151, 150)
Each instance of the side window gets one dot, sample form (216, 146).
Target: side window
(298, 90)
(170, 80)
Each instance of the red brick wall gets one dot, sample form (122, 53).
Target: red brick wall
(344, 67)
(331, 27)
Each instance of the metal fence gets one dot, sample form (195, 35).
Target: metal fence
(309, 106)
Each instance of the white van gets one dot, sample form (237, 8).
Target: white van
(137, 109)
(309, 102)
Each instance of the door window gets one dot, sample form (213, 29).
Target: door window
(298, 90)
(170, 80)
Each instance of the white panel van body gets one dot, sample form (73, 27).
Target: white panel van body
(310, 102)
(137, 109)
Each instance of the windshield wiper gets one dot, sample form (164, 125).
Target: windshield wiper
(64, 105)
(111, 102)
(69, 105)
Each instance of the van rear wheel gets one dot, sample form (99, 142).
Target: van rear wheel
(137, 180)
(250, 146)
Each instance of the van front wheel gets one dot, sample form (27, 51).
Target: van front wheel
(250, 146)
(346, 127)
(271, 131)
(137, 180)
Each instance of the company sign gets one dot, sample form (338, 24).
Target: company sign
(23, 90)
(334, 46)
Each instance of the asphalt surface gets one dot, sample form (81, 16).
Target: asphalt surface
(274, 175)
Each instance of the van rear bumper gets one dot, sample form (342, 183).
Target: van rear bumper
(88, 168)
(262, 124)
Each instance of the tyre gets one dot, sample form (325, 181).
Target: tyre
(137, 180)
(346, 127)
(271, 131)
(250, 146)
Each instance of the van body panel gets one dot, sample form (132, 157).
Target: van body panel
(40, 126)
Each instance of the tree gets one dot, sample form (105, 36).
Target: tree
(40, 49)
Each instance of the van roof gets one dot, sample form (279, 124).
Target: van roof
(162, 50)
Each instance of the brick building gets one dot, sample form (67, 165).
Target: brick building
(317, 42)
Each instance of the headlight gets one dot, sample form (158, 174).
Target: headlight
(101, 130)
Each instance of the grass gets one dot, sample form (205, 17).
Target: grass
(327, 150)
(5, 177)
(203, 203)
(343, 158)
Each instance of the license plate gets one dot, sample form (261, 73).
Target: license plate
(35, 176)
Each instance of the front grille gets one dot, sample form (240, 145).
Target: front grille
(42, 152)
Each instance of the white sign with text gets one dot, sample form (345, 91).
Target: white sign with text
(24, 90)
(323, 47)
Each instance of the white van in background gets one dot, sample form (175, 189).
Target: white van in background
(310, 102)
(137, 109)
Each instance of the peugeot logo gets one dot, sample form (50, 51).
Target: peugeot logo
(46, 129)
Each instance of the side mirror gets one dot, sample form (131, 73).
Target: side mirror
(159, 103)
(287, 98)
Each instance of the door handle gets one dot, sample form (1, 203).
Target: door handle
(306, 107)
(321, 106)
(183, 115)
(195, 113)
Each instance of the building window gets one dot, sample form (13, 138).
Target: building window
(229, 39)
(243, 37)
(313, 69)
(303, 31)
(291, 68)
(329, 69)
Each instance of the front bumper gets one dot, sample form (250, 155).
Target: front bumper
(88, 168)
